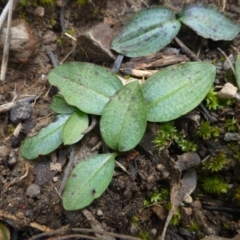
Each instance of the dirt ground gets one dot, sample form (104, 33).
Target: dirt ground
(29, 200)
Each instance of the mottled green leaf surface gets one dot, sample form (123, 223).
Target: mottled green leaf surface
(48, 139)
(177, 90)
(238, 71)
(123, 121)
(74, 127)
(147, 32)
(88, 180)
(84, 85)
(60, 106)
(207, 22)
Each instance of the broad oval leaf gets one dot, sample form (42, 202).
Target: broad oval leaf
(124, 118)
(238, 71)
(88, 180)
(207, 22)
(60, 106)
(177, 90)
(48, 139)
(147, 32)
(84, 85)
(74, 127)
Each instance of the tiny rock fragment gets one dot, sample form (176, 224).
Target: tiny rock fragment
(33, 190)
(20, 112)
(39, 11)
(49, 37)
(99, 212)
(232, 136)
(5, 151)
(12, 160)
(228, 91)
(22, 44)
(226, 63)
(188, 199)
(56, 167)
(188, 160)
(94, 44)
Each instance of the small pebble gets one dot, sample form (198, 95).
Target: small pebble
(153, 231)
(226, 64)
(23, 43)
(49, 37)
(33, 190)
(99, 212)
(5, 151)
(20, 112)
(228, 91)
(232, 136)
(39, 11)
(188, 199)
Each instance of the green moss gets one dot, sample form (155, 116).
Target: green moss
(144, 235)
(169, 134)
(82, 2)
(206, 131)
(231, 125)
(214, 185)
(215, 164)
(193, 227)
(237, 195)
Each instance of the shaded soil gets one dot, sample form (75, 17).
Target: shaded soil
(127, 207)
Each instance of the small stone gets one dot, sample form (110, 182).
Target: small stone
(12, 160)
(99, 212)
(49, 37)
(188, 199)
(33, 190)
(23, 43)
(94, 45)
(187, 211)
(228, 91)
(55, 179)
(20, 112)
(232, 136)
(5, 151)
(39, 11)
(153, 231)
(226, 64)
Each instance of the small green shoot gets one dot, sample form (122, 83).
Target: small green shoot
(176, 217)
(160, 197)
(193, 227)
(215, 164)
(231, 125)
(214, 185)
(144, 235)
(212, 100)
(237, 195)
(206, 131)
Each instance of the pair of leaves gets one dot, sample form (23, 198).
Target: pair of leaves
(169, 94)
(151, 30)
(66, 129)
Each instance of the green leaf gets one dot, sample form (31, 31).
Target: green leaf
(238, 71)
(207, 22)
(74, 126)
(60, 106)
(177, 90)
(147, 32)
(123, 121)
(48, 139)
(88, 180)
(84, 85)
